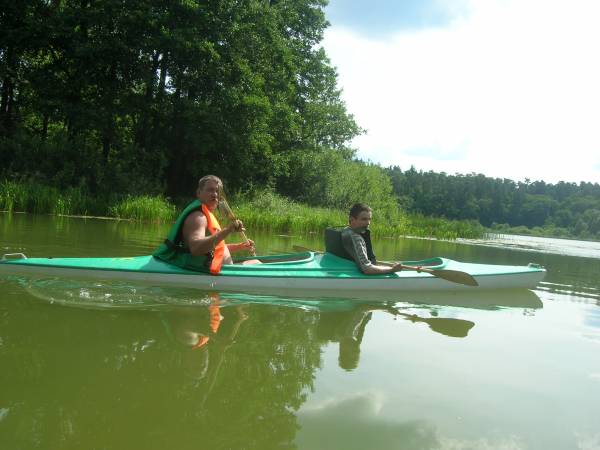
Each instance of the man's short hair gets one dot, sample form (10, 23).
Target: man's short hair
(357, 208)
(205, 179)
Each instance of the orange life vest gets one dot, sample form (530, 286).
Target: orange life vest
(213, 226)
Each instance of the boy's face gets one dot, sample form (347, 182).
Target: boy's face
(362, 222)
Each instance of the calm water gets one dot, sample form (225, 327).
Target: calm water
(99, 366)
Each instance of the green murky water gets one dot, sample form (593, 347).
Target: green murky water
(101, 366)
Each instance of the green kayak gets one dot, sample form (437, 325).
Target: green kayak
(322, 273)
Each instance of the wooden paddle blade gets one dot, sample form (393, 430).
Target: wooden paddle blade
(454, 276)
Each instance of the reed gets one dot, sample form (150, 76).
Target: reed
(422, 226)
(143, 208)
(264, 210)
(11, 196)
(272, 212)
(30, 196)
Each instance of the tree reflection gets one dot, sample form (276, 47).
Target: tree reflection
(254, 372)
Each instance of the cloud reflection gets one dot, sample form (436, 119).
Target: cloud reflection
(358, 422)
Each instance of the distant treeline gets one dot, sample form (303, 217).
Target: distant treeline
(561, 209)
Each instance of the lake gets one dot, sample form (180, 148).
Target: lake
(114, 366)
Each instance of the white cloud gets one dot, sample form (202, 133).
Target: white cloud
(511, 90)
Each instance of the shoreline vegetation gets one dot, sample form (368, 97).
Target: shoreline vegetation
(264, 210)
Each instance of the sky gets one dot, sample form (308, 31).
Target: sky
(506, 88)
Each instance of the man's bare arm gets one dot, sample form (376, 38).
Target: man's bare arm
(194, 234)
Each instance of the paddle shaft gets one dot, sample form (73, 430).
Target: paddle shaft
(231, 217)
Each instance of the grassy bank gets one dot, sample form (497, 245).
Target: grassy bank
(269, 211)
(265, 211)
(41, 199)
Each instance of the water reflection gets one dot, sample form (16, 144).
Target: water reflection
(111, 294)
(346, 323)
(224, 373)
(140, 375)
(209, 336)
(356, 423)
(44, 236)
(592, 318)
(447, 326)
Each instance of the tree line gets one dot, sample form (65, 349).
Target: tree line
(561, 209)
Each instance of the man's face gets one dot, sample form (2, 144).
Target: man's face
(362, 222)
(209, 194)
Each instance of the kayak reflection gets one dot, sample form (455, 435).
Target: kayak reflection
(126, 295)
(341, 322)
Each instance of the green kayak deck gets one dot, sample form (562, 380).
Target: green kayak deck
(304, 271)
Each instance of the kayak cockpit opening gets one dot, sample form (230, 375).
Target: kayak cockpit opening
(11, 256)
(279, 258)
(431, 263)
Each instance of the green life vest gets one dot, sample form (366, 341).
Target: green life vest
(172, 250)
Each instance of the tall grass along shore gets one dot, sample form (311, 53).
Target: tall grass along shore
(265, 210)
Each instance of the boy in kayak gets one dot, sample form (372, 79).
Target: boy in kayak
(202, 234)
(356, 239)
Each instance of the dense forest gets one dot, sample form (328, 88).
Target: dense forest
(142, 97)
(149, 95)
(561, 209)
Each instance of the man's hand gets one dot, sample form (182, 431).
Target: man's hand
(397, 267)
(235, 226)
(248, 245)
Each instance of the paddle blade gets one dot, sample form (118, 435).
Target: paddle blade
(455, 276)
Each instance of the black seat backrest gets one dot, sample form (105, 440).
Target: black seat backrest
(333, 242)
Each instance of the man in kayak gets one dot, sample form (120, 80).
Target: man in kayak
(202, 234)
(356, 240)
(196, 239)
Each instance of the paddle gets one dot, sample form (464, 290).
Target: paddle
(454, 276)
(225, 208)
